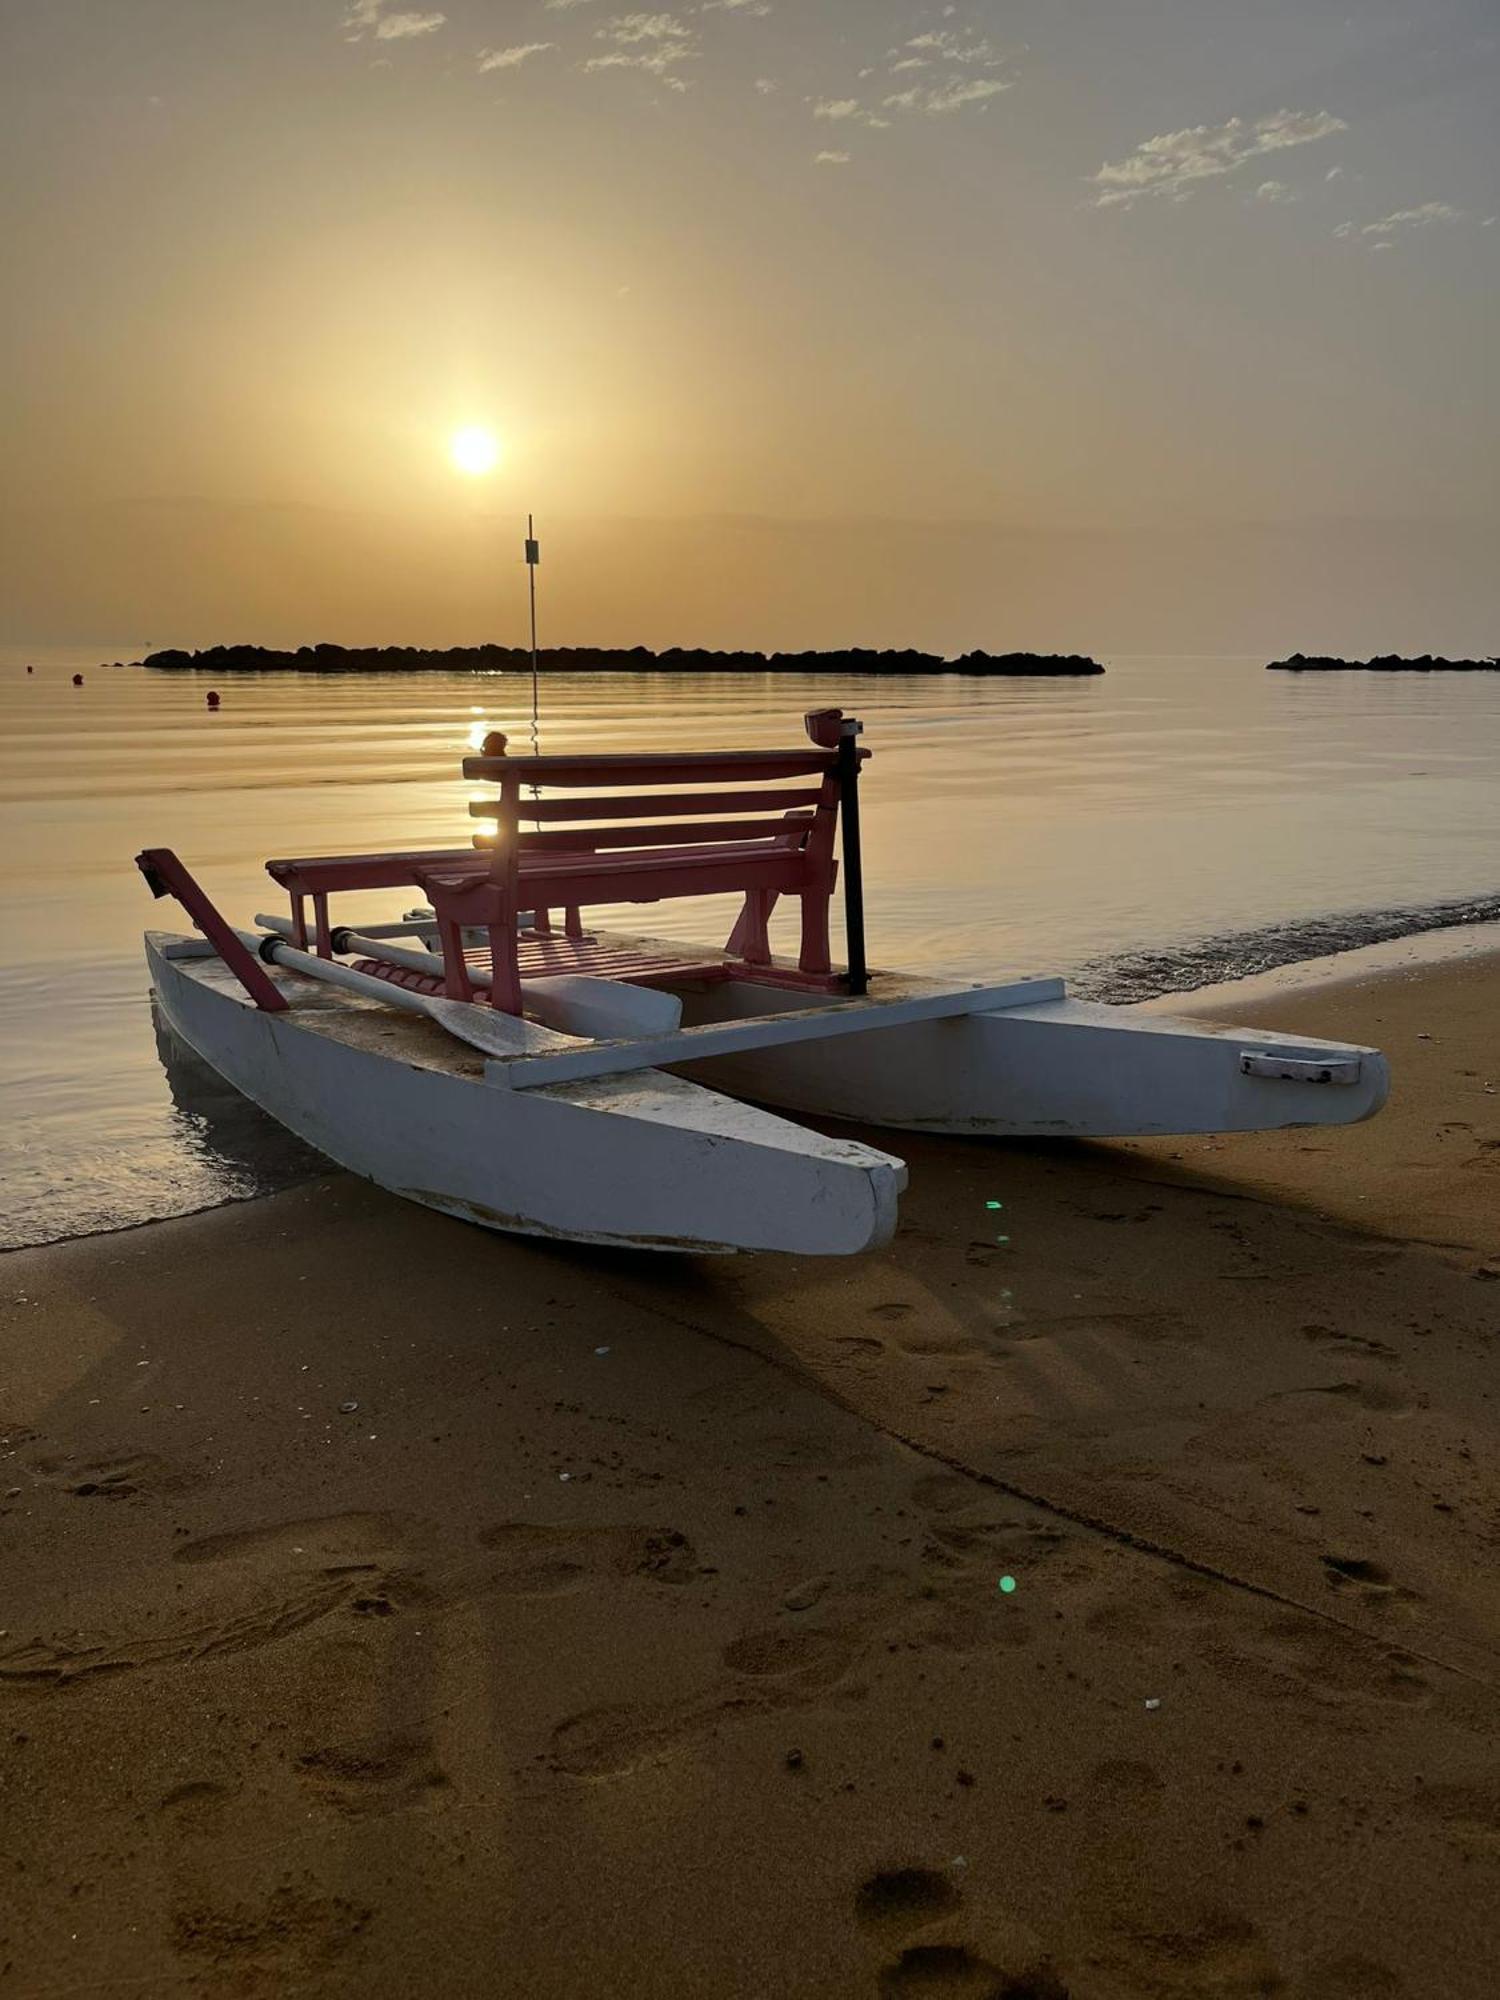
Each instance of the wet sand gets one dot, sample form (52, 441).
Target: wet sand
(640, 1632)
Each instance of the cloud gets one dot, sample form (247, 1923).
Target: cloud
(562, 6)
(831, 159)
(511, 58)
(1276, 191)
(1172, 162)
(1413, 218)
(938, 98)
(399, 27)
(767, 86)
(655, 43)
(1379, 235)
(759, 8)
(365, 15)
(954, 47)
(848, 109)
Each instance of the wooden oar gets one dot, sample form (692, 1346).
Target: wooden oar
(483, 1028)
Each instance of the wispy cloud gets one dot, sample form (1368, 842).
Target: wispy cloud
(655, 43)
(767, 86)
(1276, 191)
(758, 8)
(1413, 218)
(1379, 235)
(512, 58)
(951, 45)
(952, 95)
(831, 159)
(369, 17)
(847, 109)
(1172, 163)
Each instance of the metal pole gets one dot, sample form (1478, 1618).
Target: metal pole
(858, 978)
(533, 557)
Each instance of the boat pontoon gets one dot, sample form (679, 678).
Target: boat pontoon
(512, 1065)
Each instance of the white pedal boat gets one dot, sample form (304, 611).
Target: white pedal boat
(634, 1119)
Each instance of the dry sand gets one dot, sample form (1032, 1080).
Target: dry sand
(681, 1668)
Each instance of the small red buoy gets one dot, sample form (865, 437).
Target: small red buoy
(78, 680)
(213, 697)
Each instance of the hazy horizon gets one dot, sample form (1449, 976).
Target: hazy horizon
(1160, 329)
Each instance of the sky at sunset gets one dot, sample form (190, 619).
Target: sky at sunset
(1110, 324)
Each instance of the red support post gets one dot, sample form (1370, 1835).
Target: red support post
(166, 876)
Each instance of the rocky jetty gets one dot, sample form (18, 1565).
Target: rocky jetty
(1386, 663)
(606, 660)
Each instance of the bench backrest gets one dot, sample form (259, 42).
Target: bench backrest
(731, 797)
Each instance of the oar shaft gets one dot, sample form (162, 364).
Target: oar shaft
(332, 973)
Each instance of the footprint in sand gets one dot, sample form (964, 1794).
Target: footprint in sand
(537, 1561)
(953, 1972)
(1349, 1976)
(114, 1476)
(904, 1898)
(275, 1580)
(288, 1936)
(775, 1670)
(1223, 1955)
(1468, 1814)
(1302, 1659)
(197, 1803)
(1126, 1778)
(303, 1544)
(609, 1742)
(381, 1774)
(810, 1658)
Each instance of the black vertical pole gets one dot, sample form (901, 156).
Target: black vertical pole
(858, 979)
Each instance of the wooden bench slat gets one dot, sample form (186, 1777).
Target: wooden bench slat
(704, 768)
(374, 871)
(649, 805)
(580, 840)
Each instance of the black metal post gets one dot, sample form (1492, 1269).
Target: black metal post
(858, 978)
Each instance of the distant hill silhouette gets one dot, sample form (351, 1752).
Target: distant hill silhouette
(1387, 663)
(607, 660)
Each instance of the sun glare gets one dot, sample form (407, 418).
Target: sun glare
(474, 450)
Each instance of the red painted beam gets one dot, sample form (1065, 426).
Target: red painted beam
(166, 876)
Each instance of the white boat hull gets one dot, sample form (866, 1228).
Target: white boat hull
(647, 1161)
(1055, 1068)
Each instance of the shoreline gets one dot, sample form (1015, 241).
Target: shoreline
(637, 1629)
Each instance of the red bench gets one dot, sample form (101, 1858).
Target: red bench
(590, 848)
(570, 860)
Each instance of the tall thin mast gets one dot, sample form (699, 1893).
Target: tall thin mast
(533, 557)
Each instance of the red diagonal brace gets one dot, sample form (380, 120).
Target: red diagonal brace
(166, 876)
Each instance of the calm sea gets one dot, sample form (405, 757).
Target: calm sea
(1173, 822)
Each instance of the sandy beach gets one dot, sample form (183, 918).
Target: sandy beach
(393, 1609)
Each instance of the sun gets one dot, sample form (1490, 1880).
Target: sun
(474, 450)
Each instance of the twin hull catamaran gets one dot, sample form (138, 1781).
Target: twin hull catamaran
(555, 1080)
